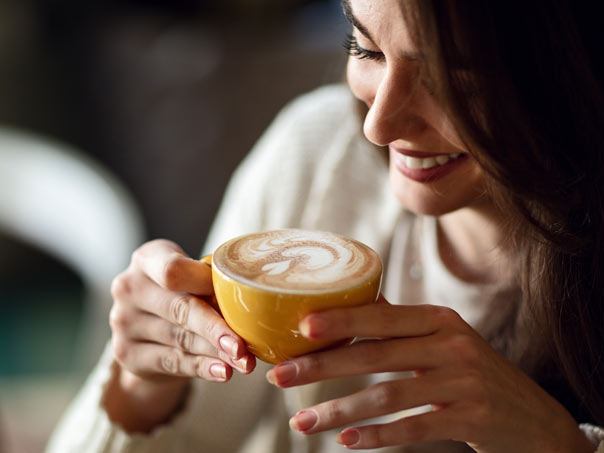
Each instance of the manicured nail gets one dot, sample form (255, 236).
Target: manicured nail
(313, 326)
(218, 370)
(229, 345)
(241, 364)
(348, 437)
(282, 373)
(303, 421)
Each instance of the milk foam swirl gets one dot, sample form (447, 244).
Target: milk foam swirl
(297, 260)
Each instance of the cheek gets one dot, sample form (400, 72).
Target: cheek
(448, 132)
(354, 80)
(361, 80)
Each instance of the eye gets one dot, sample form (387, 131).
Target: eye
(355, 50)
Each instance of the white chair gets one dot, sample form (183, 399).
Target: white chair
(70, 207)
(65, 204)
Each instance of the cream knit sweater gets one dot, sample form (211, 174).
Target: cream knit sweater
(312, 169)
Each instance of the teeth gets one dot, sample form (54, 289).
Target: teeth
(427, 162)
(413, 162)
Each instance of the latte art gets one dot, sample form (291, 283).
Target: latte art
(297, 261)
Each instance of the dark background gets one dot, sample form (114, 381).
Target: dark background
(169, 96)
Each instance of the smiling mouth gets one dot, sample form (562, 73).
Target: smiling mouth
(426, 169)
(425, 163)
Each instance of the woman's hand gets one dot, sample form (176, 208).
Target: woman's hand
(477, 396)
(165, 330)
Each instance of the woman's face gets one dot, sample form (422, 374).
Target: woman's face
(430, 169)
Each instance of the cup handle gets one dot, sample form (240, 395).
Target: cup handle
(211, 299)
(207, 260)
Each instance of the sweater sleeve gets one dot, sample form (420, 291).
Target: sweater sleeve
(595, 434)
(86, 427)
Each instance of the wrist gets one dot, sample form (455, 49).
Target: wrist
(581, 444)
(138, 404)
(568, 437)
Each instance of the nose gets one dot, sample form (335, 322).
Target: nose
(394, 107)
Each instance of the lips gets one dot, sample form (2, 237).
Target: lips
(424, 166)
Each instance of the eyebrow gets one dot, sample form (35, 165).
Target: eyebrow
(354, 21)
(411, 56)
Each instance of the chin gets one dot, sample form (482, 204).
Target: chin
(435, 199)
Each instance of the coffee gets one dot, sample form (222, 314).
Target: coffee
(297, 261)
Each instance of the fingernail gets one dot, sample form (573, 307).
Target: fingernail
(218, 370)
(241, 364)
(313, 326)
(229, 345)
(303, 421)
(348, 437)
(282, 373)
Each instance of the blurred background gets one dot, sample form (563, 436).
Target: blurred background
(122, 121)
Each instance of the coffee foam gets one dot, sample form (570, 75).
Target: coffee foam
(297, 261)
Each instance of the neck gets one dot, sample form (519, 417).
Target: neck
(470, 244)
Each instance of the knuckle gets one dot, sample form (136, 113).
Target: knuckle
(179, 310)
(164, 243)
(464, 349)
(372, 437)
(475, 381)
(118, 320)
(170, 362)
(121, 286)
(387, 316)
(386, 396)
(136, 255)
(120, 350)
(447, 316)
(213, 329)
(201, 367)
(477, 417)
(344, 319)
(333, 412)
(171, 272)
(183, 338)
(313, 363)
(372, 352)
(472, 379)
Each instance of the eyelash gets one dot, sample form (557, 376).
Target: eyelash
(355, 50)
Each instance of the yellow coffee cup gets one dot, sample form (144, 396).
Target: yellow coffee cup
(267, 317)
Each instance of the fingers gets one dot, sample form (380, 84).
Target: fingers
(181, 309)
(152, 360)
(377, 400)
(416, 429)
(150, 328)
(166, 264)
(406, 354)
(378, 320)
(163, 328)
(143, 327)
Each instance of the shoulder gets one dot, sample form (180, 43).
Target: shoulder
(312, 168)
(323, 106)
(299, 146)
(310, 122)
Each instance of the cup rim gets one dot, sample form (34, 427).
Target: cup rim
(299, 292)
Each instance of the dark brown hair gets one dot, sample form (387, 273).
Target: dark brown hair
(523, 84)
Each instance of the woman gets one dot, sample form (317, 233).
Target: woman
(493, 117)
